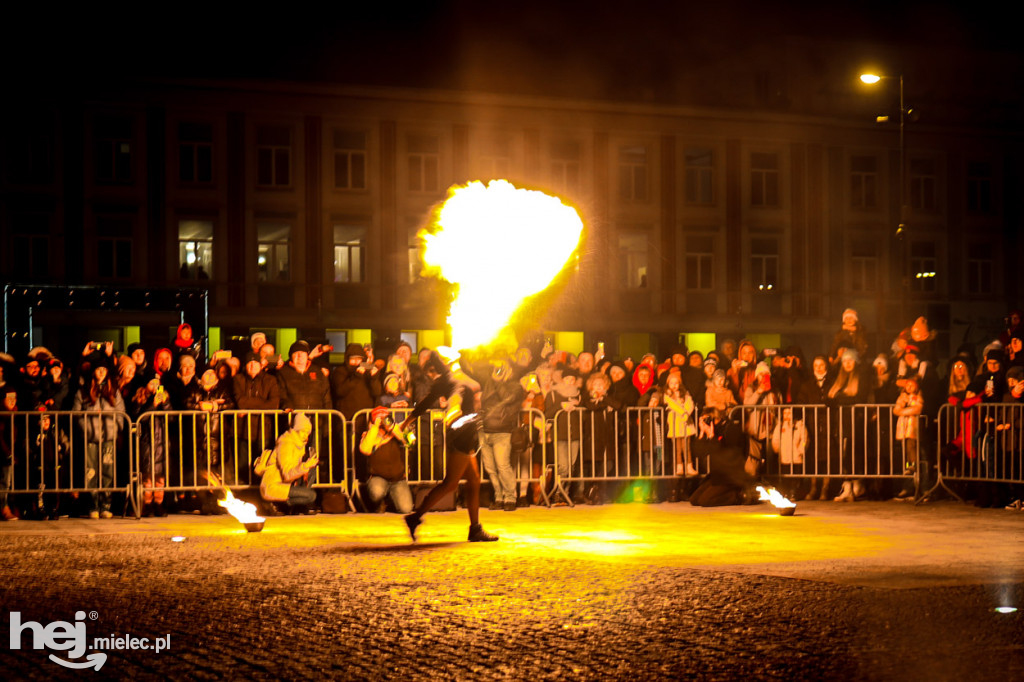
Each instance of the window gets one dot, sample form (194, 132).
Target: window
(272, 251)
(699, 180)
(349, 253)
(863, 181)
(764, 179)
(415, 252)
(979, 187)
(195, 152)
(349, 159)
(633, 173)
(114, 247)
(424, 163)
(864, 265)
(195, 249)
(30, 255)
(633, 254)
(922, 184)
(700, 258)
(113, 136)
(764, 263)
(273, 156)
(495, 157)
(565, 165)
(923, 264)
(980, 264)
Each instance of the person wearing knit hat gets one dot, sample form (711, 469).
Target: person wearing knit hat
(286, 468)
(256, 341)
(851, 334)
(303, 387)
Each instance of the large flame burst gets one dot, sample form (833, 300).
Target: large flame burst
(498, 245)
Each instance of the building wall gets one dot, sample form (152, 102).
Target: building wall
(697, 220)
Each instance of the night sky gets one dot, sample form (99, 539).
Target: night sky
(560, 49)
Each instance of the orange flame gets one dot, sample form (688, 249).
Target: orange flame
(500, 245)
(243, 511)
(775, 497)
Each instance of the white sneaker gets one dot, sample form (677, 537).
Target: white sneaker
(94, 515)
(106, 515)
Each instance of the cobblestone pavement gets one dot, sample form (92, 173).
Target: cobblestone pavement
(866, 591)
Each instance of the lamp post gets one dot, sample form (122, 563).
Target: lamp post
(871, 79)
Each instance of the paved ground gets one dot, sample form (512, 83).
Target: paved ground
(858, 591)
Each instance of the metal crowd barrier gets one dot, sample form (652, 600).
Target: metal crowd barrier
(983, 443)
(178, 449)
(425, 460)
(855, 441)
(62, 455)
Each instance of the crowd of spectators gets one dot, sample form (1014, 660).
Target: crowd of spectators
(907, 374)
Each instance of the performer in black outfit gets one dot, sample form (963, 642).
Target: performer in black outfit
(462, 440)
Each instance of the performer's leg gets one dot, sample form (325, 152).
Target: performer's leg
(457, 463)
(473, 490)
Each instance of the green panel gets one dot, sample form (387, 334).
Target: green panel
(286, 336)
(634, 345)
(431, 338)
(131, 335)
(214, 340)
(762, 341)
(360, 336)
(569, 341)
(700, 341)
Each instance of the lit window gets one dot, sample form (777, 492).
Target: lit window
(349, 253)
(633, 259)
(864, 266)
(195, 249)
(272, 252)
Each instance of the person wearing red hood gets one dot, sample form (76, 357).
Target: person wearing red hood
(185, 343)
(643, 381)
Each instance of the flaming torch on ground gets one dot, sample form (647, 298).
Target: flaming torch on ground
(786, 507)
(245, 512)
(498, 245)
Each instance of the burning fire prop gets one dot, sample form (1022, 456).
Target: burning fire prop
(498, 245)
(243, 511)
(785, 507)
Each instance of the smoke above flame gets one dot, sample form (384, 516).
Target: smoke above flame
(499, 245)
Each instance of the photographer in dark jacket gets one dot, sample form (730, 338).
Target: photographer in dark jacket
(726, 445)
(500, 400)
(255, 389)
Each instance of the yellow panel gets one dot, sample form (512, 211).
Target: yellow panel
(762, 341)
(286, 336)
(431, 338)
(700, 341)
(569, 341)
(131, 335)
(360, 336)
(634, 345)
(214, 340)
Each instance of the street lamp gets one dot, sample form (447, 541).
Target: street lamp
(872, 79)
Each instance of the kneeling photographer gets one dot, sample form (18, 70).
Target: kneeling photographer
(725, 445)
